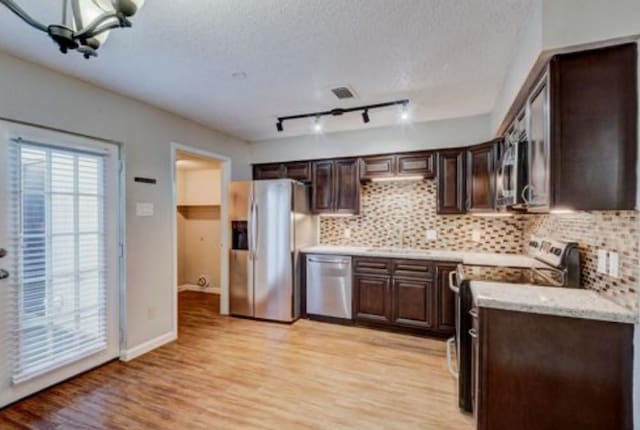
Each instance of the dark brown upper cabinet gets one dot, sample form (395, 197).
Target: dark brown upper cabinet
(381, 166)
(451, 181)
(299, 171)
(581, 124)
(335, 186)
(268, 171)
(296, 170)
(481, 177)
(419, 163)
(594, 129)
(398, 165)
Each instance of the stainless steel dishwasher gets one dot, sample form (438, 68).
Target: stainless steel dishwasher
(329, 286)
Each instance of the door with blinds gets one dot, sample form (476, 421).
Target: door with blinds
(59, 264)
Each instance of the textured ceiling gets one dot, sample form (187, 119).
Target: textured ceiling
(448, 56)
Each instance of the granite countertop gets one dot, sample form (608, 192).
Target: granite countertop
(464, 257)
(576, 303)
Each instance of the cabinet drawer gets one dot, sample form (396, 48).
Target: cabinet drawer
(412, 269)
(377, 266)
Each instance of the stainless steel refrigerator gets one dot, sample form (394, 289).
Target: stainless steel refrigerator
(270, 222)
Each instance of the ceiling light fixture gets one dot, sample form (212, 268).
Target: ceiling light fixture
(85, 24)
(339, 112)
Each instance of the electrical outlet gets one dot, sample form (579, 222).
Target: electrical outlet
(602, 261)
(151, 313)
(476, 236)
(614, 265)
(347, 233)
(431, 234)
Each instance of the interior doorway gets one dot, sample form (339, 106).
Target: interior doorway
(200, 182)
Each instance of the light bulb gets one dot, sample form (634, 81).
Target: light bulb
(317, 126)
(404, 114)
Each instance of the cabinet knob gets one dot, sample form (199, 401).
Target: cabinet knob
(3, 252)
(3, 274)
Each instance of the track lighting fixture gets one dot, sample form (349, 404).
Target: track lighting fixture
(317, 126)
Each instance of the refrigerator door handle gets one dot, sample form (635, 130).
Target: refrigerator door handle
(251, 232)
(256, 230)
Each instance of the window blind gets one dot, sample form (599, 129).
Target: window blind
(58, 288)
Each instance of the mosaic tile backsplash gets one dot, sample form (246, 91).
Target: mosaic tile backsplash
(393, 210)
(398, 214)
(613, 231)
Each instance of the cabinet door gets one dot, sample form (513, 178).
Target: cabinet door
(539, 150)
(299, 171)
(347, 186)
(268, 171)
(412, 302)
(322, 198)
(481, 177)
(372, 298)
(451, 181)
(382, 166)
(422, 164)
(445, 300)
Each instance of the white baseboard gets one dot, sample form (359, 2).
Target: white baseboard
(143, 348)
(191, 287)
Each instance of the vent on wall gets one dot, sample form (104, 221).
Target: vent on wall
(343, 93)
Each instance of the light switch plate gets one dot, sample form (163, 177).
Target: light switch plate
(144, 209)
(347, 233)
(431, 234)
(476, 235)
(602, 261)
(614, 265)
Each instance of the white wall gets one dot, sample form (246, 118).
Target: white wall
(375, 140)
(577, 22)
(527, 53)
(557, 26)
(37, 95)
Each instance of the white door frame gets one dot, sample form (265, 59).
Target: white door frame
(224, 227)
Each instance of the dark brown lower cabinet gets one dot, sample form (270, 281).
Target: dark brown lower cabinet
(544, 372)
(412, 303)
(446, 300)
(402, 294)
(371, 295)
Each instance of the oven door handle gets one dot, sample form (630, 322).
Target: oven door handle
(452, 283)
(453, 371)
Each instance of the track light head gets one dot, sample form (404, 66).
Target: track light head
(365, 116)
(279, 127)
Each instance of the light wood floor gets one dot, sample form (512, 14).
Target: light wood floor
(228, 373)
